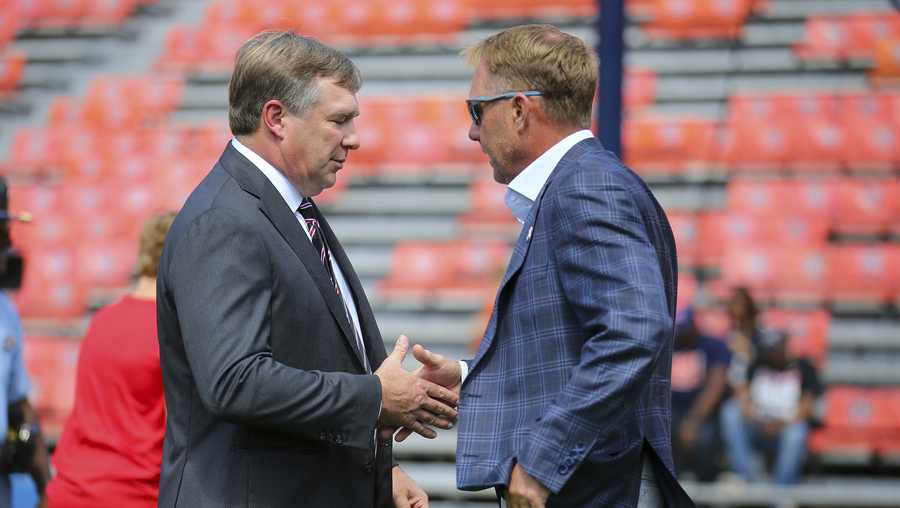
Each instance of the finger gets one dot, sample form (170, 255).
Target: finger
(402, 435)
(438, 392)
(422, 430)
(426, 357)
(400, 500)
(432, 419)
(400, 348)
(439, 408)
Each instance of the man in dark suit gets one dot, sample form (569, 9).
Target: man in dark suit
(567, 400)
(275, 374)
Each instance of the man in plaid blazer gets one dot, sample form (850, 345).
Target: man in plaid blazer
(567, 400)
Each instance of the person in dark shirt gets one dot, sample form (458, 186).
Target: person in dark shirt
(699, 382)
(772, 410)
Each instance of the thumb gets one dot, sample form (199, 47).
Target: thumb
(426, 357)
(400, 348)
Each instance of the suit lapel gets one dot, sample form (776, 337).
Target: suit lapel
(272, 205)
(515, 264)
(368, 325)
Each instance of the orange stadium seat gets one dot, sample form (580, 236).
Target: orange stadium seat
(872, 144)
(106, 263)
(669, 145)
(782, 106)
(756, 145)
(720, 232)
(887, 62)
(12, 66)
(639, 88)
(686, 230)
(183, 49)
(108, 12)
(817, 145)
(417, 268)
(11, 21)
(867, 206)
(50, 287)
(687, 291)
(808, 331)
(868, 30)
(827, 37)
(52, 363)
(61, 13)
(698, 19)
(518, 9)
(864, 273)
(488, 215)
(853, 418)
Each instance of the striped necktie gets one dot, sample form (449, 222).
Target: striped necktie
(311, 216)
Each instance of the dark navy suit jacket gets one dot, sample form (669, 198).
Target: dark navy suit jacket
(572, 379)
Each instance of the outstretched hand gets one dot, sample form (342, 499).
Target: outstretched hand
(411, 401)
(438, 370)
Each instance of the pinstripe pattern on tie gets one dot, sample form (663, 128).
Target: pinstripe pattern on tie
(311, 217)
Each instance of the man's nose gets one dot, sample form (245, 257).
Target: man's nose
(475, 132)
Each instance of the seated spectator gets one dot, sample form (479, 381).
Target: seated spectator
(743, 315)
(771, 411)
(699, 382)
(111, 447)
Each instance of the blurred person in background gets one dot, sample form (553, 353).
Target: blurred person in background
(771, 411)
(699, 384)
(274, 370)
(743, 317)
(567, 401)
(111, 446)
(24, 448)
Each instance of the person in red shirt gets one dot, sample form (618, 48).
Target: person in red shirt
(110, 450)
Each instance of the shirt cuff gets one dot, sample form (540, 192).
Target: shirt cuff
(463, 371)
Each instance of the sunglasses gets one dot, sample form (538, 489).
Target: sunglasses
(476, 104)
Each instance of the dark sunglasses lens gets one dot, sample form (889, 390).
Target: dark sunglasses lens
(475, 112)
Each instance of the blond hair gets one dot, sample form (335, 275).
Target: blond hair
(153, 236)
(542, 57)
(284, 66)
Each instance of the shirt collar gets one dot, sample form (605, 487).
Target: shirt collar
(523, 190)
(288, 192)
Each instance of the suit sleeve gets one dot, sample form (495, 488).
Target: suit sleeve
(611, 279)
(221, 282)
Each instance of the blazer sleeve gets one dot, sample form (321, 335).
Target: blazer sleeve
(611, 279)
(221, 282)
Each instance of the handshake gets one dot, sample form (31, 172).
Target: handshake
(419, 400)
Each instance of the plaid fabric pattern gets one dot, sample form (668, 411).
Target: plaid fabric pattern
(575, 364)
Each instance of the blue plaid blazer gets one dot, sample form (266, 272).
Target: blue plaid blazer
(572, 379)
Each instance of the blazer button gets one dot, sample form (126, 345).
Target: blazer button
(339, 439)
(323, 436)
(563, 470)
(369, 467)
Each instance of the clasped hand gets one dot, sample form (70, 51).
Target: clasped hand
(416, 401)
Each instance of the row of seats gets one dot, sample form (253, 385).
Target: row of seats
(837, 273)
(859, 424)
(12, 67)
(675, 145)
(853, 36)
(696, 19)
(463, 269)
(22, 14)
(228, 23)
(51, 363)
(860, 205)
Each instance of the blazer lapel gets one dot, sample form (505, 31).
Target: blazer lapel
(515, 264)
(272, 205)
(371, 335)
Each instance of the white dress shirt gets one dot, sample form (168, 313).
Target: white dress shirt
(292, 197)
(523, 190)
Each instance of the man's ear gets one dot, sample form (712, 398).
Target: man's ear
(522, 111)
(272, 118)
